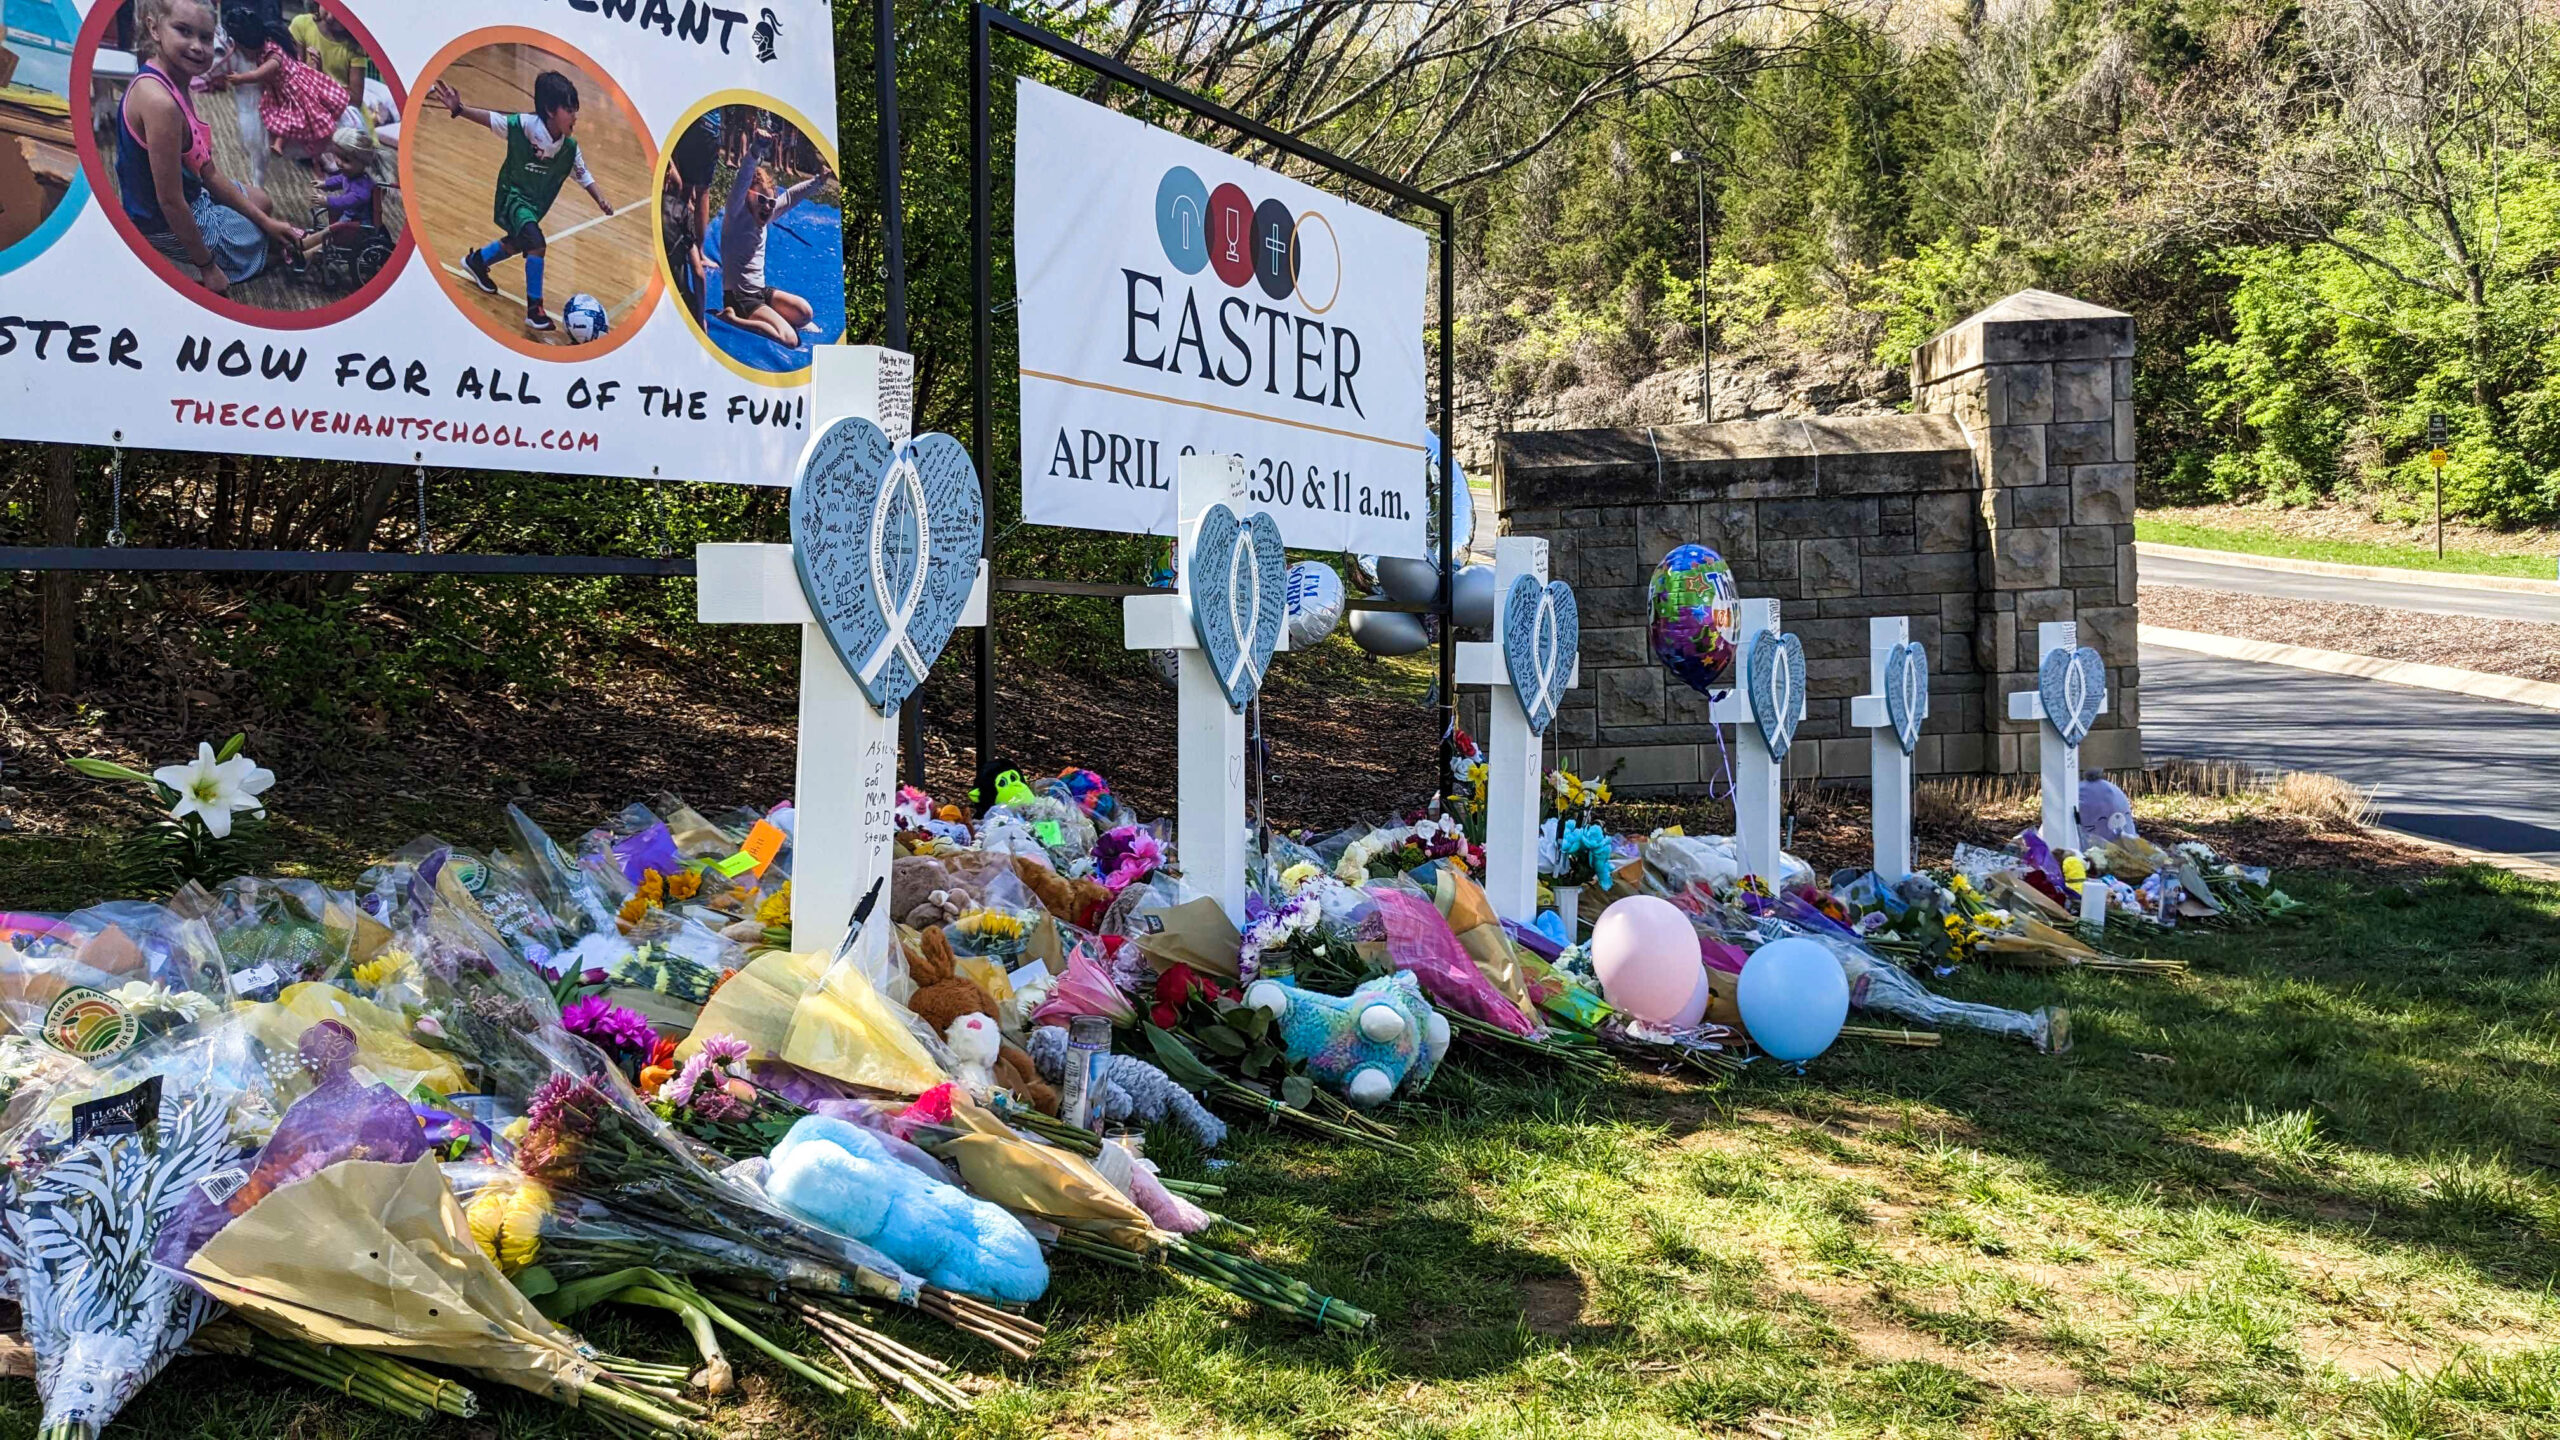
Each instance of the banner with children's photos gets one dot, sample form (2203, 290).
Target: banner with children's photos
(425, 234)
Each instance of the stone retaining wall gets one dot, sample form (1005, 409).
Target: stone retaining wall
(2007, 501)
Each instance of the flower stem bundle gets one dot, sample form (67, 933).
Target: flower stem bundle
(382, 1381)
(1243, 1278)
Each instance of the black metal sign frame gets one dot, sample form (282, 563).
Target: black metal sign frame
(985, 22)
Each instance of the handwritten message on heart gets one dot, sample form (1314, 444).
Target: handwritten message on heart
(1906, 692)
(2073, 686)
(1238, 580)
(1541, 640)
(1776, 677)
(886, 539)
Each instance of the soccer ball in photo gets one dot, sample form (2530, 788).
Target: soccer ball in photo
(584, 318)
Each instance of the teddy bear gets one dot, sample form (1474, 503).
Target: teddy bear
(923, 892)
(944, 997)
(1073, 901)
(842, 1177)
(974, 1042)
(1379, 1041)
(943, 994)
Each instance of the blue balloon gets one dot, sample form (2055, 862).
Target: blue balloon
(1794, 998)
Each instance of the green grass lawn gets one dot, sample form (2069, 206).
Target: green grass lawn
(2307, 1189)
(2340, 552)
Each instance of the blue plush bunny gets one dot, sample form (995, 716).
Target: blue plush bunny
(1379, 1041)
(841, 1177)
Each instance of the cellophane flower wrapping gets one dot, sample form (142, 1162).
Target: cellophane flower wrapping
(102, 980)
(100, 1174)
(343, 1117)
(586, 1132)
(1416, 939)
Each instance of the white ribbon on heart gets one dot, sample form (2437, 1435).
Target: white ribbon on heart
(903, 480)
(2075, 692)
(1915, 698)
(1244, 619)
(1546, 646)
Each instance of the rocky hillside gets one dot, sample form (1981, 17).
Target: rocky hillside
(1753, 384)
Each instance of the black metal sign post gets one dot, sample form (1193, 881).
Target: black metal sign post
(985, 20)
(893, 233)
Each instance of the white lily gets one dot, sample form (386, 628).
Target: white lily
(215, 790)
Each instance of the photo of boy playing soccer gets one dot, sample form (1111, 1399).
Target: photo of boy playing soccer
(542, 155)
(529, 121)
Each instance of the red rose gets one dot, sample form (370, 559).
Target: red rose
(1164, 1017)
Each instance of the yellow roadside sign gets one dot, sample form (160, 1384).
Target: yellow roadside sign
(2437, 458)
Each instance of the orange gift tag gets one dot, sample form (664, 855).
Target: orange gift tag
(764, 842)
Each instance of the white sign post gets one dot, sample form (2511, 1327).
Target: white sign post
(2058, 754)
(846, 789)
(1515, 754)
(1888, 718)
(1757, 770)
(1210, 813)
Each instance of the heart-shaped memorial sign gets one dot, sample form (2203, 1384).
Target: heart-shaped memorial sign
(1777, 688)
(886, 539)
(2073, 685)
(1238, 579)
(1541, 641)
(1906, 691)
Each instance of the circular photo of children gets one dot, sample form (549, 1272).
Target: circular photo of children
(246, 150)
(528, 176)
(41, 187)
(751, 229)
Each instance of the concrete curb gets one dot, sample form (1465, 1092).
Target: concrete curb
(2538, 693)
(2516, 864)
(2443, 579)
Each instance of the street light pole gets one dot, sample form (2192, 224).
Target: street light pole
(1706, 349)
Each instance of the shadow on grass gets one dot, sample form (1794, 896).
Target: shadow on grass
(2382, 1067)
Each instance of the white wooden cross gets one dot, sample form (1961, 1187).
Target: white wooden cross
(2058, 760)
(1756, 773)
(1210, 818)
(1889, 768)
(1515, 756)
(846, 789)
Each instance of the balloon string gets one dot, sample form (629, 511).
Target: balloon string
(1724, 764)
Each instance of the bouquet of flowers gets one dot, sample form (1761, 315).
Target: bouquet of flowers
(377, 1255)
(101, 1316)
(712, 1097)
(1570, 796)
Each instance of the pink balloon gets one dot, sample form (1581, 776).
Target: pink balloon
(1646, 956)
(1696, 1010)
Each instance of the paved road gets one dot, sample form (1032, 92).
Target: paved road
(2434, 599)
(2473, 772)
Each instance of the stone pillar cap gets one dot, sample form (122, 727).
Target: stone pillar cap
(2028, 327)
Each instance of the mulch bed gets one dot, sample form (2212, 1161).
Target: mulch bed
(1831, 833)
(2523, 648)
(1346, 746)
(574, 755)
